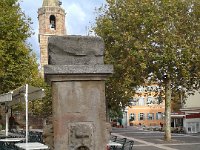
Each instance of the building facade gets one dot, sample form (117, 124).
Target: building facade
(191, 108)
(147, 107)
(51, 17)
(188, 117)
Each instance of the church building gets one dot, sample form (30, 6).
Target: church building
(51, 17)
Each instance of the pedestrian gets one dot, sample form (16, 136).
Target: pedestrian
(12, 123)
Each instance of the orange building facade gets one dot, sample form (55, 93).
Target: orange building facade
(147, 107)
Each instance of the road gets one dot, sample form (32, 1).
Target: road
(154, 140)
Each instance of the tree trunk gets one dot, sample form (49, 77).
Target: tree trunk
(168, 110)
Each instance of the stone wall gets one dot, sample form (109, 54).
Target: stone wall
(77, 75)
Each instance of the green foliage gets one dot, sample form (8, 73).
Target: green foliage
(151, 41)
(116, 113)
(42, 108)
(153, 38)
(17, 62)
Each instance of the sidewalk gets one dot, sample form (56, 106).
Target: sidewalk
(153, 140)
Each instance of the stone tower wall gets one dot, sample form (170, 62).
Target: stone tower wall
(45, 31)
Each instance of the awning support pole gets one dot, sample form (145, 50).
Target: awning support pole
(6, 123)
(26, 100)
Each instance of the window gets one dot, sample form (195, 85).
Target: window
(141, 101)
(150, 116)
(159, 116)
(140, 89)
(52, 20)
(149, 100)
(133, 101)
(198, 127)
(141, 116)
(132, 117)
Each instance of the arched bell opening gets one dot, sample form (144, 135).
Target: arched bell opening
(52, 20)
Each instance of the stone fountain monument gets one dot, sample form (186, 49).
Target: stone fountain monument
(77, 74)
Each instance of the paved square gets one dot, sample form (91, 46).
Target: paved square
(154, 140)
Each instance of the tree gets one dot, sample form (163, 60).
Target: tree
(152, 41)
(17, 62)
(42, 108)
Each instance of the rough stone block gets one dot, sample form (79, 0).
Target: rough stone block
(75, 50)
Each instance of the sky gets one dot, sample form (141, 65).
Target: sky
(80, 16)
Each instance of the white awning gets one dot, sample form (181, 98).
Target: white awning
(6, 97)
(177, 116)
(24, 93)
(19, 93)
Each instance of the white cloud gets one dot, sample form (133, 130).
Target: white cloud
(76, 11)
(75, 19)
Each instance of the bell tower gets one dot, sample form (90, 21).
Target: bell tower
(51, 17)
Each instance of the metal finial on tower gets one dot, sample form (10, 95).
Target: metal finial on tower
(51, 3)
(60, 2)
